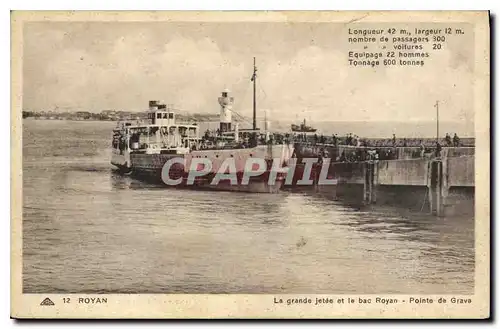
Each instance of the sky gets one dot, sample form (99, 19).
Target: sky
(303, 70)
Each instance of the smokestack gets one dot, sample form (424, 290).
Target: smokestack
(226, 105)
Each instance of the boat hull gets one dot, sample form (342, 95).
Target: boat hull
(150, 166)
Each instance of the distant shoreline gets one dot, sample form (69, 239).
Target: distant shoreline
(465, 139)
(69, 119)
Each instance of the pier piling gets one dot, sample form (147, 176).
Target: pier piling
(370, 170)
(435, 186)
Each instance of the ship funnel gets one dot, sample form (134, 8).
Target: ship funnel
(226, 105)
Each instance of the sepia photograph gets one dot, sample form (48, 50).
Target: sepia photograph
(322, 164)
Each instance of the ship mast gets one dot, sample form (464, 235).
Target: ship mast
(254, 79)
(437, 121)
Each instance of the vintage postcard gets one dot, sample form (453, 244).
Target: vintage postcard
(307, 165)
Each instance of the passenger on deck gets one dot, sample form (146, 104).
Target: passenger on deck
(456, 140)
(279, 139)
(347, 139)
(262, 139)
(320, 156)
(448, 139)
(342, 157)
(422, 149)
(253, 140)
(438, 149)
(334, 139)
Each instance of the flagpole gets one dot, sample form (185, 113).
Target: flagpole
(254, 79)
(437, 121)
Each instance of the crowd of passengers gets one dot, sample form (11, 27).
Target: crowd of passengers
(369, 149)
(250, 139)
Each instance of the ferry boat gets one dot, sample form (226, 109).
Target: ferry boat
(303, 128)
(143, 149)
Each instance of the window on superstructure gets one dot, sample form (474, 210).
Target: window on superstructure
(170, 115)
(165, 115)
(224, 94)
(158, 115)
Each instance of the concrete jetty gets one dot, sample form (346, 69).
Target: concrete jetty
(441, 185)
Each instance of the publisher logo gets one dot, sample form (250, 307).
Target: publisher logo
(47, 302)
